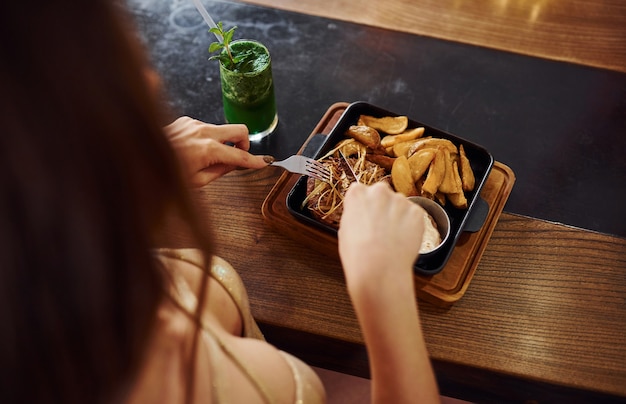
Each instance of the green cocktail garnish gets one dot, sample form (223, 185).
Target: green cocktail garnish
(230, 59)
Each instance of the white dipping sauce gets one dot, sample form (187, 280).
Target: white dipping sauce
(431, 238)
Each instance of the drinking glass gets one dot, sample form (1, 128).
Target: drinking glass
(248, 90)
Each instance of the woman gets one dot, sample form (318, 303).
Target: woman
(90, 310)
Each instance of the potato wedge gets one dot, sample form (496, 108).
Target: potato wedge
(391, 125)
(456, 175)
(431, 142)
(364, 134)
(441, 198)
(385, 162)
(402, 148)
(401, 177)
(449, 184)
(467, 175)
(458, 200)
(418, 185)
(435, 174)
(457, 197)
(350, 147)
(420, 161)
(409, 134)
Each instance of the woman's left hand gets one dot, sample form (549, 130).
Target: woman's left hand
(203, 152)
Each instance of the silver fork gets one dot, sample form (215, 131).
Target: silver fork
(304, 165)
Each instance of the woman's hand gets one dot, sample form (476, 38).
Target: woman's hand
(379, 230)
(203, 152)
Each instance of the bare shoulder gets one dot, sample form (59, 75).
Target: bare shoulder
(264, 363)
(280, 372)
(226, 366)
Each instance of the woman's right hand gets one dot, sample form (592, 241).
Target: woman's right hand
(379, 230)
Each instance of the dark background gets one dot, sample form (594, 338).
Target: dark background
(560, 127)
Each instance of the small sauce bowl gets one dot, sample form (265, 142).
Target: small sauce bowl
(440, 217)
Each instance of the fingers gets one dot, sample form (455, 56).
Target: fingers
(363, 215)
(379, 224)
(235, 157)
(186, 127)
(236, 134)
(368, 196)
(222, 159)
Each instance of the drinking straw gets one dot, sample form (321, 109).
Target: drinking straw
(206, 16)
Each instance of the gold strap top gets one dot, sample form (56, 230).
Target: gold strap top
(225, 274)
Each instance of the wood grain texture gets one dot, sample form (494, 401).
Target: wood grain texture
(590, 33)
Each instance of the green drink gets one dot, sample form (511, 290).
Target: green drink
(248, 89)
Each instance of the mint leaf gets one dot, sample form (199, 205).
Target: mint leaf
(227, 59)
(215, 46)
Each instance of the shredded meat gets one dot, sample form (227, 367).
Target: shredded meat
(325, 200)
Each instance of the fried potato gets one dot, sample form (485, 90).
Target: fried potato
(402, 148)
(418, 185)
(431, 142)
(401, 177)
(467, 175)
(364, 134)
(420, 161)
(427, 166)
(458, 200)
(391, 125)
(441, 198)
(456, 177)
(385, 162)
(409, 134)
(350, 147)
(449, 183)
(435, 174)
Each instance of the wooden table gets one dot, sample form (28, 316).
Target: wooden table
(591, 33)
(544, 317)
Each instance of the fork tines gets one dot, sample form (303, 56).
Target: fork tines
(317, 170)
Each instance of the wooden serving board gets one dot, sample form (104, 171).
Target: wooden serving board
(442, 289)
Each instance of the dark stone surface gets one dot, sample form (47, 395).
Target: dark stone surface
(560, 127)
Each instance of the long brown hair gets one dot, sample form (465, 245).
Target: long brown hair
(86, 175)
